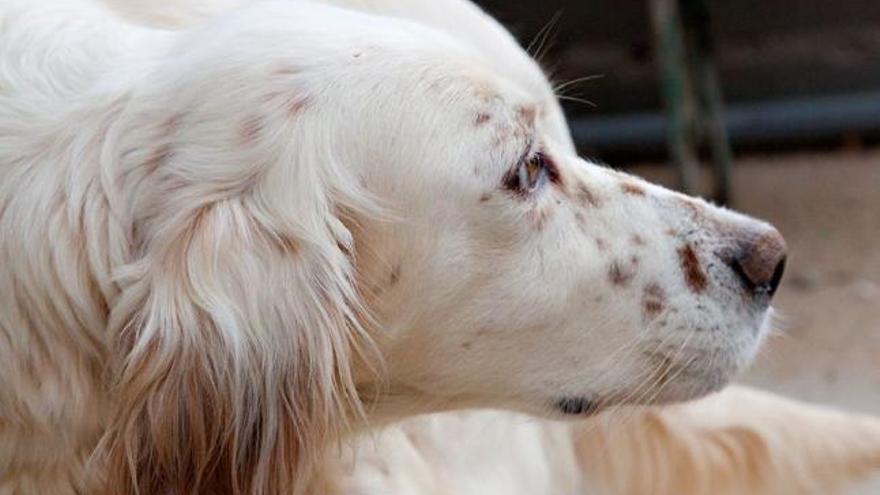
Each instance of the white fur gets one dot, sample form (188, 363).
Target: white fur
(225, 245)
(739, 441)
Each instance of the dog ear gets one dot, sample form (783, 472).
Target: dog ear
(238, 319)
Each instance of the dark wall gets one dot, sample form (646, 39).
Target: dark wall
(766, 48)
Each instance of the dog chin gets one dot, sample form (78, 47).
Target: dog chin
(687, 380)
(692, 389)
(695, 381)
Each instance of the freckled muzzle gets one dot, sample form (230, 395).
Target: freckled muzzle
(753, 251)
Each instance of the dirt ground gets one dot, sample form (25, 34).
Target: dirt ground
(827, 206)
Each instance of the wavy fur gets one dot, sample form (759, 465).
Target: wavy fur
(219, 383)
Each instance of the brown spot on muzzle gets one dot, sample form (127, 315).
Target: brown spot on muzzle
(694, 276)
(481, 118)
(654, 299)
(620, 274)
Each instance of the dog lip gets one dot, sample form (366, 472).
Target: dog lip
(575, 406)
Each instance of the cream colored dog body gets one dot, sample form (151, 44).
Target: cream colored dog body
(739, 441)
(224, 245)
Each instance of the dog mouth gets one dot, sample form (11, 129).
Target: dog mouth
(686, 374)
(668, 379)
(576, 406)
(670, 374)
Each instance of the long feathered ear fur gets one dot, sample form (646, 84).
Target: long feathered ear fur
(239, 317)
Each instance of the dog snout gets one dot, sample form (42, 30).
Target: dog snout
(760, 260)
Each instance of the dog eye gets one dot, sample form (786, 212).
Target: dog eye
(529, 174)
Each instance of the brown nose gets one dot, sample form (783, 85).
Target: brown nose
(761, 261)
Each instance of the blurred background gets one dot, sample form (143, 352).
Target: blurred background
(800, 85)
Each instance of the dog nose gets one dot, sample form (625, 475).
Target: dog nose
(761, 261)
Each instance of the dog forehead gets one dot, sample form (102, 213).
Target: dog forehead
(444, 94)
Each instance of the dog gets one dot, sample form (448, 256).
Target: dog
(229, 245)
(738, 441)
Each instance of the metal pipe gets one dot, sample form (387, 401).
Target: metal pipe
(753, 123)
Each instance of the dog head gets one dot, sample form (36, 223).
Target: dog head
(514, 273)
(519, 273)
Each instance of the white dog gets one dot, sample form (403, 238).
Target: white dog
(224, 247)
(737, 442)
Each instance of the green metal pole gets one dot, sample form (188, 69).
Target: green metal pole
(701, 61)
(677, 90)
